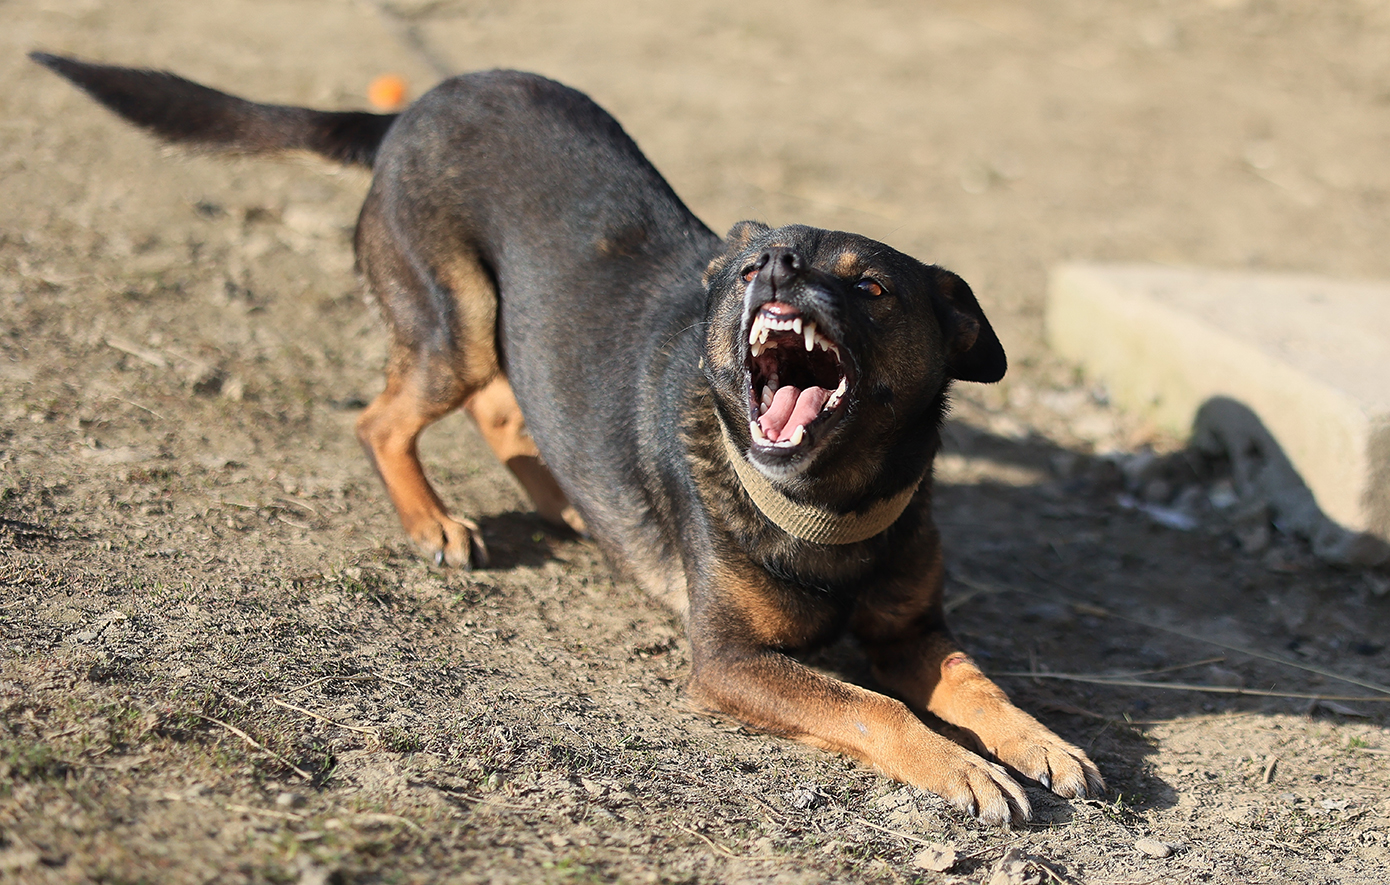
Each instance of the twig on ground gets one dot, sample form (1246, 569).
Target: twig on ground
(356, 677)
(121, 399)
(288, 706)
(1216, 660)
(152, 357)
(724, 851)
(1090, 608)
(1184, 686)
(232, 806)
(379, 817)
(252, 741)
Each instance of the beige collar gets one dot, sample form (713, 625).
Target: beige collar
(811, 523)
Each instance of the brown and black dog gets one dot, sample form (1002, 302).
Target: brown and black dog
(747, 425)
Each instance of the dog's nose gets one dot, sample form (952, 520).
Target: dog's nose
(780, 266)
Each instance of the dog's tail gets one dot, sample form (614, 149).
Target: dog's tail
(183, 112)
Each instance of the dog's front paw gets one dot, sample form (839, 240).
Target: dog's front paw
(985, 790)
(452, 542)
(1052, 762)
(966, 780)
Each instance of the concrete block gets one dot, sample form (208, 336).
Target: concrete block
(1308, 356)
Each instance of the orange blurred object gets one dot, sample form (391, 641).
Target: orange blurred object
(387, 92)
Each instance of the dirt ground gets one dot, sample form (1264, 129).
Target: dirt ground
(221, 662)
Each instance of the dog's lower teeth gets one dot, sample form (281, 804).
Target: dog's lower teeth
(798, 435)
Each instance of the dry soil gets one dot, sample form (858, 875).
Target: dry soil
(221, 662)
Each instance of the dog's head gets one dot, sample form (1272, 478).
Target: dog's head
(829, 355)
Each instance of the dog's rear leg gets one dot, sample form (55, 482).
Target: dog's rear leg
(415, 397)
(441, 307)
(498, 416)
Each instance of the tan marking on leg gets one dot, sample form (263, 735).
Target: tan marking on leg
(389, 430)
(772, 692)
(498, 417)
(914, 658)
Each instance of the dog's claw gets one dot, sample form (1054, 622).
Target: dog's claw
(452, 543)
(984, 790)
(1055, 764)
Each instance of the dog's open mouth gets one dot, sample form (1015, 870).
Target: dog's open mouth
(798, 382)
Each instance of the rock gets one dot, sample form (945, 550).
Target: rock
(937, 858)
(806, 798)
(290, 800)
(1242, 815)
(13, 860)
(1017, 868)
(1153, 847)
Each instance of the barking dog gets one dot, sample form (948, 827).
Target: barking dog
(746, 424)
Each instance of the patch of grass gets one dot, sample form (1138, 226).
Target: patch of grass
(124, 724)
(29, 761)
(1122, 809)
(398, 740)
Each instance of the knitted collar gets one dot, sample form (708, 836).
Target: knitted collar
(807, 522)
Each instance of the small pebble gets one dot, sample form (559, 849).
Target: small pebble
(290, 800)
(1153, 847)
(937, 858)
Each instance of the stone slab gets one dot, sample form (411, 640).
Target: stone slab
(1309, 356)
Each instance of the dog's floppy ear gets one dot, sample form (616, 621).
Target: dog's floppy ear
(737, 239)
(973, 351)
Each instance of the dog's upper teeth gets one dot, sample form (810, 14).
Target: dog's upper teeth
(810, 335)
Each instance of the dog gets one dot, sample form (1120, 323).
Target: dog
(745, 424)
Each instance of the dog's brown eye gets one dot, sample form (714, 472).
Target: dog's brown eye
(869, 287)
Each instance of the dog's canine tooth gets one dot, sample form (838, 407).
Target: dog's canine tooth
(835, 397)
(799, 434)
(810, 334)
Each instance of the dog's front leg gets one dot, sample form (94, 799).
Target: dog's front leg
(915, 658)
(733, 676)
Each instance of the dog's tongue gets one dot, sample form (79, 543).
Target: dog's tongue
(791, 408)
